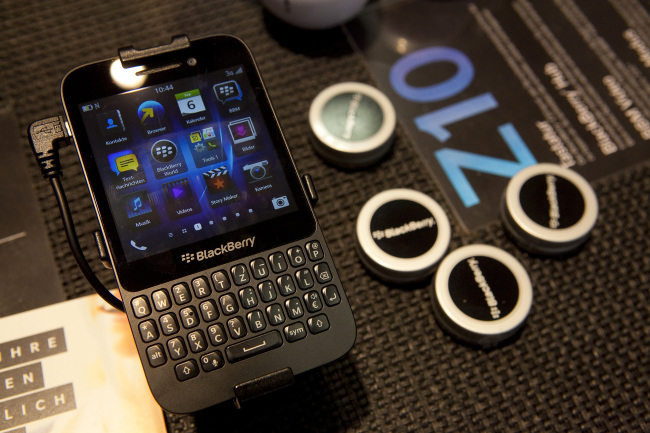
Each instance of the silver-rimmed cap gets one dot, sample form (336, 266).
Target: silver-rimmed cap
(353, 123)
(481, 295)
(401, 235)
(549, 209)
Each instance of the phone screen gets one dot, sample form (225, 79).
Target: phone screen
(185, 160)
(187, 167)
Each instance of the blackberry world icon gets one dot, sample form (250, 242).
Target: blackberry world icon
(187, 257)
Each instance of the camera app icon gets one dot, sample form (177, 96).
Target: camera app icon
(257, 171)
(280, 202)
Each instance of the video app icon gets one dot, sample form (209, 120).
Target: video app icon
(178, 192)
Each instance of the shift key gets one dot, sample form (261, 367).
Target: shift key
(254, 346)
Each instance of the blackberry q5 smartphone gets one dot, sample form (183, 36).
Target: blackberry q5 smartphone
(226, 278)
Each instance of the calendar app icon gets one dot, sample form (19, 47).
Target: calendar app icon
(192, 108)
(190, 102)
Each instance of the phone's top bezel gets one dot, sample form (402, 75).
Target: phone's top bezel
(93, 81)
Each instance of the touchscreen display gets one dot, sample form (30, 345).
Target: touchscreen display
(184, 161)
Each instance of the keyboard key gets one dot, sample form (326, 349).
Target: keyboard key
(278, 262)
(197, 341)
(181, 293)
(228, 304)
(240, 275)
(201, 287)
(169, 324)
(267, 291)
(314, 251)
(189, 318)
(260, 268)
(318, 324)
(220, 281)
(313, 302)
(286, 285)
(140, 307)
(256, 321)
(209, 310)
(217, 334)
(156, 355)
(275, 314)
(294, 308)
(148, 331)
(186, 370)
(176, 348)
(254, 346)
(296, 256)
(237, 328)
(294, 332)
(248, 297)
(305, 279)
(331, 295)
(323, 273)
(212, 361)
(161, 300)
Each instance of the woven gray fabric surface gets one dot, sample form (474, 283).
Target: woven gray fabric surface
(582, 362)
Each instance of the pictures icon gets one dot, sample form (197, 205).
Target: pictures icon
(242, 130)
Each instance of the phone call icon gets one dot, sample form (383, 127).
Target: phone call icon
(134, 245)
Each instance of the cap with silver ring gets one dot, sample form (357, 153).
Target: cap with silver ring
(401, 235)
(353, 124)
(481, 295)
(548, 209)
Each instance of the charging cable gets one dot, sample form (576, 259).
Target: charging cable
(46, 137)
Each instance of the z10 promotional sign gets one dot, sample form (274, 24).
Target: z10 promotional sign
(486, 89)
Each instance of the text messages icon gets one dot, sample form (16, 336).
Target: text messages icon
(227, 91)
(123, 161)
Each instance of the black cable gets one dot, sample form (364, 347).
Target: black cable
(46, 136)
(77, 252)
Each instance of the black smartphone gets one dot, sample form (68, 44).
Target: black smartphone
(224, 272)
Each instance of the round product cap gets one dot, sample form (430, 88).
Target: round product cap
(401, 235)
(549, 209)
(481, 295)
(353, 124)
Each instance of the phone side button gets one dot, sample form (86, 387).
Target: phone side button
(254, 346)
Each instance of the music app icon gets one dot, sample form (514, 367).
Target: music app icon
(136, 204)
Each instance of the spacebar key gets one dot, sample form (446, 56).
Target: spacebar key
(254, 346)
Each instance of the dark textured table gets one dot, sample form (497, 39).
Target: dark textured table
(582, 361)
